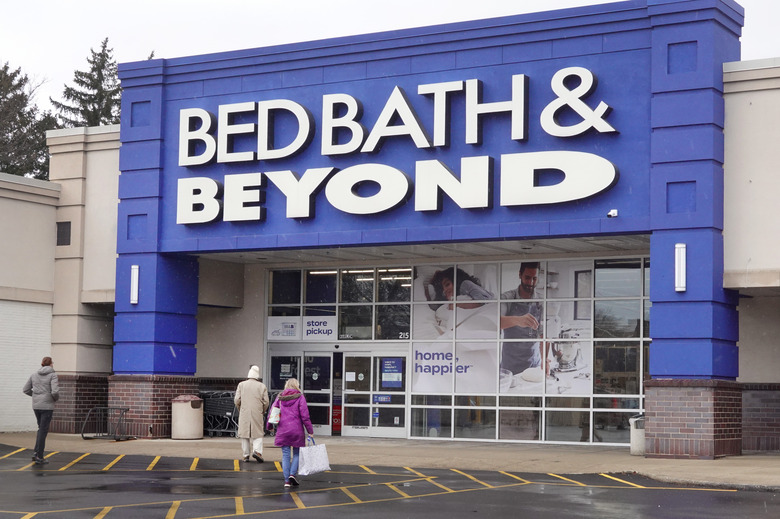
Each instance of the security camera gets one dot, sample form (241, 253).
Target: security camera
(612, 213)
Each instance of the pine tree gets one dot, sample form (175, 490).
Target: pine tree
(96, 94)
(23, 149)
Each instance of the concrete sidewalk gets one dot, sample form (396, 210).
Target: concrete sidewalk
(752, 470)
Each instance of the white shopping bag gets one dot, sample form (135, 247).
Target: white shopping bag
(312, 459)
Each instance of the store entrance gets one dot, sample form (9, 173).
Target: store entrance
(350, 393)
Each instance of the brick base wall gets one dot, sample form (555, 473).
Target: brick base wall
(148, 398)
(693, 418)
(761, 417)
(78, 394)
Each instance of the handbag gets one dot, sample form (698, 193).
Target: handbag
(275, 414)
(312, 459)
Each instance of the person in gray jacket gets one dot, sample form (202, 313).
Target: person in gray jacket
(44, 388)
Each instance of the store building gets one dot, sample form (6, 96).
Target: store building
(453, 232)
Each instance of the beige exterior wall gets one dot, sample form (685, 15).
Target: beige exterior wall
(85, 162)
(751, 216)
(28, 231)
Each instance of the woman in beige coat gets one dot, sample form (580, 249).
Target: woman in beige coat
(252, 402)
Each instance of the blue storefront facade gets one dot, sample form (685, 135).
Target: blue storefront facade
(588, 123)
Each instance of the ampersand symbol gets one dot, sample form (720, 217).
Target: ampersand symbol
(573, 99)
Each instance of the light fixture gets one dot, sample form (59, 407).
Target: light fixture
(134, 271)
(679, 267)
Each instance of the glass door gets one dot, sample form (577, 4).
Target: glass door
(317, 386)
(374, 395)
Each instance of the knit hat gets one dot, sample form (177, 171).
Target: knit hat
(254, 372)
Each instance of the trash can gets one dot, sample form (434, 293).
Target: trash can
(187, 417)
(637, 423)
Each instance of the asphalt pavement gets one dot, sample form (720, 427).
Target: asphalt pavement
(752, 470)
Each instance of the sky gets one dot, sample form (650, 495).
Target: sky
(50, 39)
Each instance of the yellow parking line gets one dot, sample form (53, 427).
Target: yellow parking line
(69, 465)
(278, 466)
(516, 477)
(236, 466)
(390, 485)
(239, 506)
(367, 469)
(153, 463)
(11, 453)
(472, 478)
(116, 460)
(430, 480)
(194, 464)
(172, 510)
(415, 472)
(622, 481)
(567, 479)
(297, 500)
(103, 512)
(30, 515)
(33, 463)
(351, 495)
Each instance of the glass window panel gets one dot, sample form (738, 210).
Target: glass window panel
(475, 423)
(357, 373)
(569, 279)
(646, 319)
(282, 369)
(319, 311)
(317, 398)
(393, 322)
(351, 398)
(390, 374)
(564, 320)
(320, 415)
(285, 287)
(476, 320)
(567, 426)
(423, 288)
(576, 403)
(616, 403)
(475, 366)
(432, 321)
(432, 367)
(357, 286)
(475, 401)
(519, 424)
(432, 423)
(389, 417)
(522, 319)
(477, 282)
(617, 318)
(520, 401)
(522, 369)
(316, 373)
(355, 322)
(619, 278)
(523, 280)
(394, 285)
(616, 369)
(570, 368)
(321, 286)
(431, 400)
(647, 277)
(357, 416)
(612, 427)
(284, 311)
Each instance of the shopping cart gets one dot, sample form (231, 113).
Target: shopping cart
(220, 415)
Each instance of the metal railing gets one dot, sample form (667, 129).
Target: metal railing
(105, 423)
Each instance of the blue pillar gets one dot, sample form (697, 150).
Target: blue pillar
(695, 330)
(154, 333)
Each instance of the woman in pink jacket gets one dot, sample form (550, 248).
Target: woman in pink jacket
(293, 420)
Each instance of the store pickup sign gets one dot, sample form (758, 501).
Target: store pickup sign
(205, 138)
